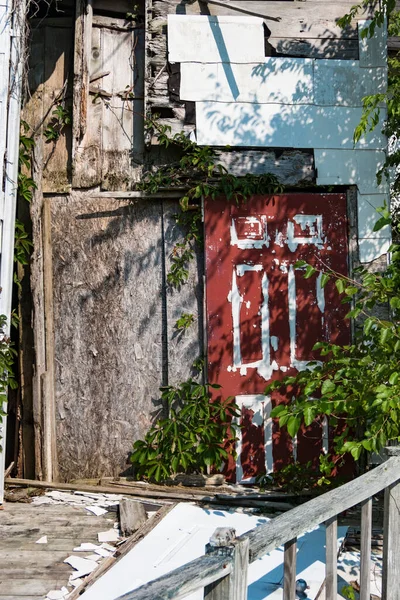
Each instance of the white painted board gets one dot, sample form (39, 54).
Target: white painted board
(276, 80)
(345, 83)
(181, 537)
(368, 215)
(351, 167)
(202, 38)
(282, 126)
(372, 51)
(372, 248)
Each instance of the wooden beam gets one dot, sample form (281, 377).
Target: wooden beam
(241, 9)
(82, 53)
(289, 569)
(331, 559)
(391, 535)
(267, 537)
(365, 550)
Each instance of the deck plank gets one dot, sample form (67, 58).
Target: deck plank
(30, 570)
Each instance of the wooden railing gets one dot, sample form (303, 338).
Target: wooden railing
(222, 570)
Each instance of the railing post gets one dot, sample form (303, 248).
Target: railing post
(233, 586)
(365, 549)
(331, 559)
(289, 570)
(391, 537)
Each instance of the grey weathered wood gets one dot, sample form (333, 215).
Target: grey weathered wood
(132, 515)
(291, 166)
(163, 194)
(331, 559)
(180, 582)
(29, 569)
(233, 586)
(291, 20)
(365, 549)
(318, 510)
(391, 536)
(289, 569)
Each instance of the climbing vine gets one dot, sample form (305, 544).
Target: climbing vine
(198, 174)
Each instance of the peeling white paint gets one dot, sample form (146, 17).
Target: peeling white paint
(320, 294)
(236, 300)
(242, 269)
(254, 235)
(310, 223)
(297, 364)
(274, 342)
(261, 407)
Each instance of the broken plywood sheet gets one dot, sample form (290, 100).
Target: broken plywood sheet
(181, 537)
(107, 266)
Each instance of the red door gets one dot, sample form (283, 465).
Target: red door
(263, 317)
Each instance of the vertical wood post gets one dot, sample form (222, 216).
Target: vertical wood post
(331, 559)
(391, 537)
(289, 570)
(234, 585)
(365, 558)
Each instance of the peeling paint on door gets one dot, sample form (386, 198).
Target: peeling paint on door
(264, 317)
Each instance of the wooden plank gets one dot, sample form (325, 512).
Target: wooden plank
(117, 115)
(183, 347)
(50, 462)
(58, 78)
(86, 148)
(318, 510)
(87, 140)
(291, 167)
(334, 48)
(331, 559)
(365, 550)
(180, 582)
(305, 20)
(289, 569)
(131, 516)
(391, 535)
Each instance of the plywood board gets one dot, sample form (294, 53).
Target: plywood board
(282, 126)
(345, 83)
(184, 347)
(373, 51)
(349, 167)
(215, 39)
(275, 80)
(107, 266)
(367, 215)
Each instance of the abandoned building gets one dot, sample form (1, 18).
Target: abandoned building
(275, 87)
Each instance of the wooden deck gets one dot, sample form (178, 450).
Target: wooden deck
(29, 570)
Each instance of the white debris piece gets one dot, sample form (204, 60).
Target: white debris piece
(75, 582)
(108, 536)
(108, 547)
(57, 594)
(96, 510)
(82, 565)
(86, 547)
(94, 557)
(103, 552)
(42, 540)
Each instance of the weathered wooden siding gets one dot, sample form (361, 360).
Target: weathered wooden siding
(115, 343)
